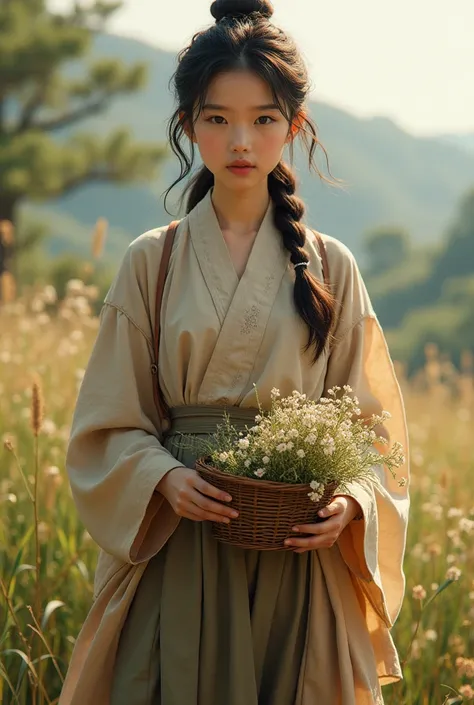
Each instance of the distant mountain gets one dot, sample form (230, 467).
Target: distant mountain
(465, 142)
(393, 178)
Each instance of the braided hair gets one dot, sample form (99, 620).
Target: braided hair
(243, 35)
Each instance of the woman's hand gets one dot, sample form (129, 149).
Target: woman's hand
(341, 511)
(188, 494)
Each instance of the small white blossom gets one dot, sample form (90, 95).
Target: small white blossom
(244, 443)
(419, 592)
(260, 472)
(265, 460)
(300, 453)
(247, 463)
(453, 573)
(281, 447)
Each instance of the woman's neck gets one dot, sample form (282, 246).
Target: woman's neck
(240, 213)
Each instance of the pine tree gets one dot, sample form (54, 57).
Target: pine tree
(37, 100)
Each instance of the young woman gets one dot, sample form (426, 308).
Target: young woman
(179, 618)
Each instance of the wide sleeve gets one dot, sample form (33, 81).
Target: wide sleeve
(114, 457)
(373, 548)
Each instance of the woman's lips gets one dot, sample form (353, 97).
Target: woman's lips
(241, 170)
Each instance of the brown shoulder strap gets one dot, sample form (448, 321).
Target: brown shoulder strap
(324, 257)
(160, 402)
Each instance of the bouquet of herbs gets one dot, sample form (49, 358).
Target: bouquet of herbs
(299, 441)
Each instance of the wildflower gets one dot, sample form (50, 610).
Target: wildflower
(244, 443)
(467, 692)
(260, 472)
(49, 427)
(311, 438)
(247, 463)
(466, 525)
(453, 573)
(281, 447)
(431, 635)
(419, 592)
(223, 457)
(36, 407)
(265, 460)
(74, 287)
(8, 444)
(329, 445)
(300, 453)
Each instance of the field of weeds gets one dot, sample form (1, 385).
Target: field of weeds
(47, 558)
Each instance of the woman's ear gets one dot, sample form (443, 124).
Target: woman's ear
(296, 125)
(186, 128)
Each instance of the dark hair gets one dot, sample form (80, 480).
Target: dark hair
(244, 37)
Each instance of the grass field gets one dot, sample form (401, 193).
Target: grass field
(47, 559)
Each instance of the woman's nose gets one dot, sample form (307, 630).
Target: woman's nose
(240, 139)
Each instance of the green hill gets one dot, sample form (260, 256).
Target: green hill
(392, 177)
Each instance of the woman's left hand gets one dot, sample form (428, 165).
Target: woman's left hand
(340, 511)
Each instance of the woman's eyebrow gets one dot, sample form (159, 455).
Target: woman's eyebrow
(215, 106)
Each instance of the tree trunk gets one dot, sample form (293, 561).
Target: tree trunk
(8, 212)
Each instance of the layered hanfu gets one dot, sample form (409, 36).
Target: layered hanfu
(178, 618)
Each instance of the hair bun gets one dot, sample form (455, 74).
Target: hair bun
(236, 8)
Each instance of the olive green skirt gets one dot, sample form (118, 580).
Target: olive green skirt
(213, 624)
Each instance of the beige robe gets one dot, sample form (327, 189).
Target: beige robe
(219, 336)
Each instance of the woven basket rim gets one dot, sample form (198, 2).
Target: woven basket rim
(238, 479)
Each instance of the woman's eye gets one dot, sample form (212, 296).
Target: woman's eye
(267, 117)
(219, 117)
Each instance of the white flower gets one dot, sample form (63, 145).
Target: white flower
(247, 463)
(290, 445)
(311, 438)
(315, 485)
(431, 635)
(300, 453)
(260, 472)
(466, 525)
(453, 573)
(419, 592)
(281, 447)
(244, 443)
(294, 433)
(265, 460)
(315, 496)
(328, 445)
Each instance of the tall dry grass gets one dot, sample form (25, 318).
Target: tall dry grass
(47, 558)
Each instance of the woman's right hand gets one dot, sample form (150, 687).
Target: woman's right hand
(188, 494)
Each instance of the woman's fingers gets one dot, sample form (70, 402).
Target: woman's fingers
(207, 505)
(206, 488)
(196, 514)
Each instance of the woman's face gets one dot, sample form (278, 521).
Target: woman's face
(240, 121)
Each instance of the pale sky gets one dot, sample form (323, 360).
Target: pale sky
(410, 60)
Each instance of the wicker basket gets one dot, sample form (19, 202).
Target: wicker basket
(267, 510)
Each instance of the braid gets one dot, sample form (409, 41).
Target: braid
(313, 301)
